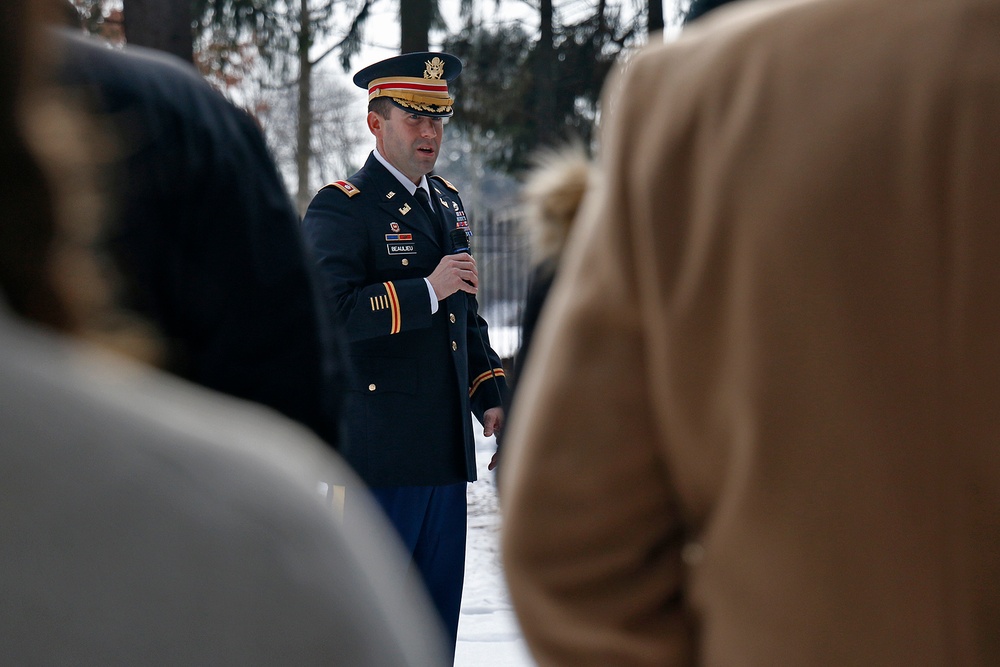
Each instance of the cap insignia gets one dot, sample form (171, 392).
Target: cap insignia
(435, 68)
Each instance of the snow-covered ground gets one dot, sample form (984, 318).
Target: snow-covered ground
(488, 633)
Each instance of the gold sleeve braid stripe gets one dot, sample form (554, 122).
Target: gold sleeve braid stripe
(483, 377)
(394, 314)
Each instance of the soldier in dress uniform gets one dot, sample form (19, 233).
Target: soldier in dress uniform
(387, 250)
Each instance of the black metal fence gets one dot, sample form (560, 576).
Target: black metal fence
(501, 251)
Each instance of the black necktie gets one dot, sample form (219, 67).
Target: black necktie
(421, 196)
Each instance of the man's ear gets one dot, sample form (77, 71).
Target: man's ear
(375, 123)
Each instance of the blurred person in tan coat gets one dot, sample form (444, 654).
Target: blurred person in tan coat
(762, 421)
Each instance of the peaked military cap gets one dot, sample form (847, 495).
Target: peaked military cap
(415, 82)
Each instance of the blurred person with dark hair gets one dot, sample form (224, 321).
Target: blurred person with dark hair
(204, 235)
(146, 520)
(760, 424)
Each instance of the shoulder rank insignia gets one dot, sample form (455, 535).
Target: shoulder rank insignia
(446, 183)
(344, 186)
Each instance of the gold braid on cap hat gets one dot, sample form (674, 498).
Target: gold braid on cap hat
(427, 94)
(434, 108)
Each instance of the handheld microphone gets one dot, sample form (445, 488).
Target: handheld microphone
(459, 241)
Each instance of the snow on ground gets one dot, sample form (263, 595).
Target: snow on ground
(488, 633)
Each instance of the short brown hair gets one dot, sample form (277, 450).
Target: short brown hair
(381, 105)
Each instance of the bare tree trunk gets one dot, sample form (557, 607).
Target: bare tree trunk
(303, 148)
(414, 24)
(545, 82)
(654, 16)
(160, 24)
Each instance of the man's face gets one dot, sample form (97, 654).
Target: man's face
(410, 142)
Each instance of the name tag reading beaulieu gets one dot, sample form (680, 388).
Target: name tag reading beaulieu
(401, 249)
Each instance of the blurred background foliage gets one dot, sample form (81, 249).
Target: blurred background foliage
(533, 71)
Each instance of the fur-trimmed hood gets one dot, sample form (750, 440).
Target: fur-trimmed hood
(550, 197)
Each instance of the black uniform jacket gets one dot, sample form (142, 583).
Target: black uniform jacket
(416, 376)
